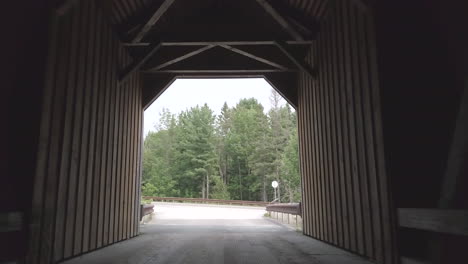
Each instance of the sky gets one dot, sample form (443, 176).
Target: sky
(186, 93)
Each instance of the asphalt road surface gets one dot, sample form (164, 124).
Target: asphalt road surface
(203, 234)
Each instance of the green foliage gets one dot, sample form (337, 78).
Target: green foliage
(146, 201)
(148, 189)
(235, 155)
(220, 190)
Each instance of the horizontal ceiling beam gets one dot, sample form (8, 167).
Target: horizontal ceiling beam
(230, 43)
(181, 58)
(219, 71)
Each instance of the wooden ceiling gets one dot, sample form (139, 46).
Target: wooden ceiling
(217, 37)
(169, 36)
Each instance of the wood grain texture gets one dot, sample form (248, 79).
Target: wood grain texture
(345, 199)
(82, 141)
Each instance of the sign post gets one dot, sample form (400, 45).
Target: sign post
(274, 184)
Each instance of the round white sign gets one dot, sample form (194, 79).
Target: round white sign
(274, 184)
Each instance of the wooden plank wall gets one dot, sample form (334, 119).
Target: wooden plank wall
(87, 177)
(346, 199)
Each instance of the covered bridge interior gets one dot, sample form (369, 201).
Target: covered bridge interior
(380, 88)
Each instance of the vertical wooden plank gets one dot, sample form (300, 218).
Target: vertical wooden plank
(127, 157)
(316, 151)
(307, 84)
(93, 59)
(323, 140)
(341, 186)
(307, 151)
(139, 117)
(309, 127)
(103, 130)
(135, 154)
(130, 154)
(319, 127)
(360, 141)
(370, 142)
(117, 163)
(110, 77)
(131, 158)
(86, 90)
(335, 184)
(390, 252)
(350, 81)
(120, 157)
(336, 131)
(303, 150)
(98, 133)
(128, 100)
(328, 150)
(107, 141)
(115, 103)
(140, 151)
(46, 240)
(70, 87)
(115, 158)
(300, 113)
(139, 156)
(137, 143)
(124, 157)
(349, 222)
(309, 157)
(330, 138)
(124, 154)
(73, 184)
(134, 144)
(305, 159)
(345, 125)
(40, 176)
(313, 134)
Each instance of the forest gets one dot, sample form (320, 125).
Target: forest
(234, 155)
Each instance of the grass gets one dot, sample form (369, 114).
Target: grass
(144, 201)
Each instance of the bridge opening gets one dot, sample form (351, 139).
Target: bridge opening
(225, 140)
(228, 139)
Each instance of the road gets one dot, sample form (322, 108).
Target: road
(203, 234)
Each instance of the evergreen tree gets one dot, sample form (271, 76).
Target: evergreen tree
(234, 155)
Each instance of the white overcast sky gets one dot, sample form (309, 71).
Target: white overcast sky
(186, 93)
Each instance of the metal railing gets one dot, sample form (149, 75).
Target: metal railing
(287, 208)
(201, 200)
(146, 209)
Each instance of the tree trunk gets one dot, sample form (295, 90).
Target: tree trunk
(203, 189)
(207, 186)
(240, 179)
(291, 194)
(226, 170)
(279, 184)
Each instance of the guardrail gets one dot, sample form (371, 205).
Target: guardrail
(201, 200)
(287, 208)
(146, 209)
